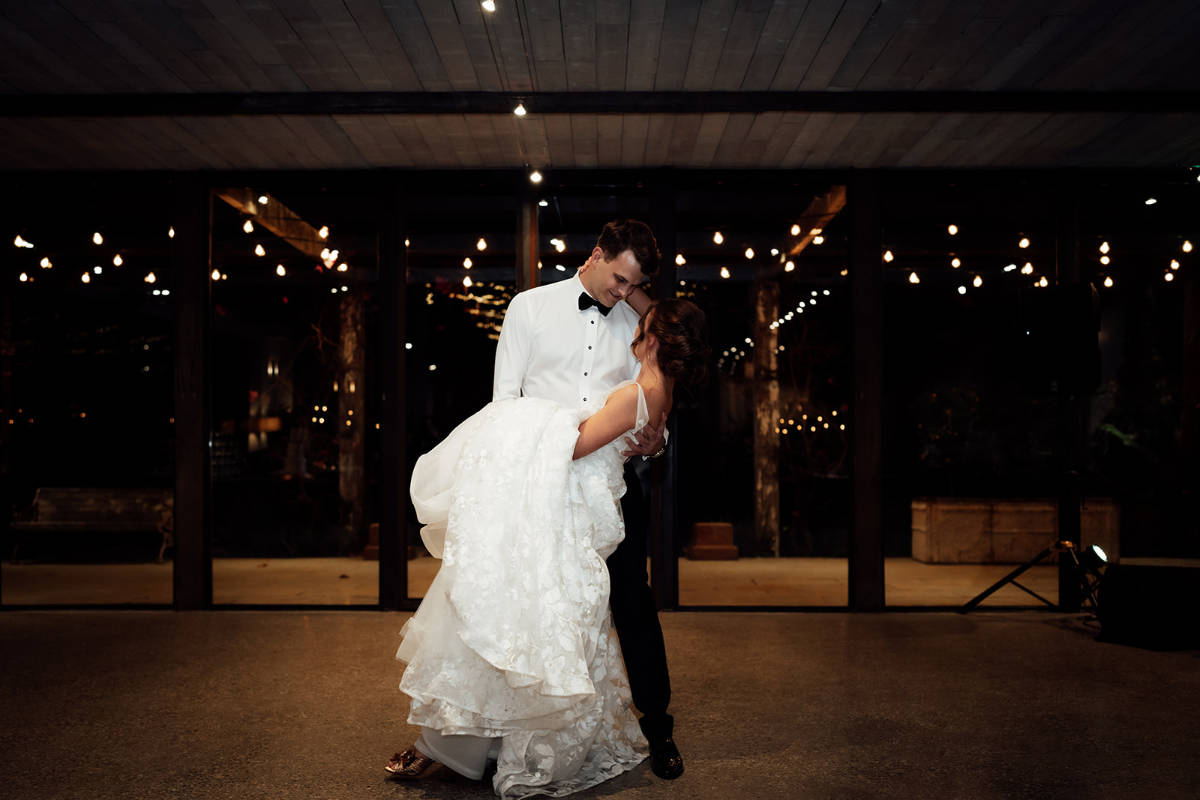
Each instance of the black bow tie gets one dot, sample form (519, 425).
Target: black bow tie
(586, 300)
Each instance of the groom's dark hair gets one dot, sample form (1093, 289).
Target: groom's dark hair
(630, 234)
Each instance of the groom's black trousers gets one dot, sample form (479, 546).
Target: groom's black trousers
(636, 615)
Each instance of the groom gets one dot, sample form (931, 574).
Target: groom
(570, 342)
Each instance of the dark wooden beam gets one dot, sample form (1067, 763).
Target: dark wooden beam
(222, 104)
(866, 310)
(191, 261)
(393, 502)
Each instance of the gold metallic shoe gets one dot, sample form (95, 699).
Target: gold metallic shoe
(411, 765)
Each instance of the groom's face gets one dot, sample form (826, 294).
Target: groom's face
(610, 280)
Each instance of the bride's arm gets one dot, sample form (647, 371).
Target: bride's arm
(638, 300)
(618, 416)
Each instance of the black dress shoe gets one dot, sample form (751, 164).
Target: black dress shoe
(665, 761)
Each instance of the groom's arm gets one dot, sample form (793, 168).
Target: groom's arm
(512, 351)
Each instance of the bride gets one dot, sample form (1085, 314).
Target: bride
(511, 655)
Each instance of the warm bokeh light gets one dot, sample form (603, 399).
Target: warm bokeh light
(1104, 247)
(150, 277)
(535, 177)
(789, 266)
(952, 230)
(259, 250)
(520, 110)
(749, 253)
(1108, 282)
(45, 263)
(97, 238)
(117, 260)
(679, 259)
(248, 226)
(956, 263)
(216, 275)
(1187, 246)
(978, 281)
(280, 270)
(86, 278)
(724, 272)
(1174, 264)
(718, 238)
(795, 230)
(1027, 269)
(913, 278)
(887, 256)
(481, 245)
(1023, 243)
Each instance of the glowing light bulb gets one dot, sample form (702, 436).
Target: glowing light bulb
(467, 282)
(789, 266)
(1104, 247)
(263, 199)
(324, 232)
(679, 259)
(718, 238)
(913, 278)
(1027, 269)
(1168, 277)
(45, 263)
(280, 270)
(117, 260)
(535, 177)
(774, 251)
(481, 245)
(543, 203)
(23, 277)
(1151, 201)
(19, 242)
(1174, 264)
(952, 230)
(1043, 282)
(343, 267)
(978, 281)
(216, 275)
(1108, 282)
(887, 256)
(1187, 246)
(795, 230)
(1010, 267)
(1105, 260)
(171, 232)
(259, 250)
(749, 252)
(956, 263)
(248, 226)
(490, 7)
(724, 272)
(520, 110)
(560, 245)
(86, 278)
(467, 263)
(150, 277)
(99, 270)
(818, 240)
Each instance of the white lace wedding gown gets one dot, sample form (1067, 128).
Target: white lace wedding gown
(514, 638)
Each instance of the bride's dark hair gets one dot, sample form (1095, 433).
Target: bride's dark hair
(682, 351)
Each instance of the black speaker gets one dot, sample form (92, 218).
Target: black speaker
(1154, 605)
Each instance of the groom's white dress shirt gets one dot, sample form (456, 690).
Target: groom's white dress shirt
(551, 349)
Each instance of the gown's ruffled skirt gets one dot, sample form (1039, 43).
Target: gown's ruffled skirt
(514, 637)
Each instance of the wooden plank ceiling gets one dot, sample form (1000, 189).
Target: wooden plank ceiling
(57, 51)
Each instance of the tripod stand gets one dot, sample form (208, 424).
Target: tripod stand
(1086, 585)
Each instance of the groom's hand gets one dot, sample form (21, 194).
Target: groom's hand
(650, 439)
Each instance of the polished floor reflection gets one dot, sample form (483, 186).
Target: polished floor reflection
(353, 581)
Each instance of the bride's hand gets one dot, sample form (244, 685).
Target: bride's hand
(650, 440)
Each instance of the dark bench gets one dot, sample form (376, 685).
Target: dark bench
(100, 511)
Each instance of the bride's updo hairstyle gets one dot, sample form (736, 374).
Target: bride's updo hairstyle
(682, 351)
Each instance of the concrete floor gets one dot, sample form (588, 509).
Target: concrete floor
(352, 581)
(247, 704)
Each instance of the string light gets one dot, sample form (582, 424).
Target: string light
(955, 262)
(489, 6)
(795, 230)
(481, 245)
(1105, 260)
(679, 259)
(749, 253)
(818, 239)
(887, 256)
(23, 277)
(99, 270)
(97, 238)
(263, 199)
(1168, 277)
(324, 233)
(1187, 246)
(1151, 201)
(248, 226)
(1174, 264)
(117, 260)
(1104, 247)
(259, 250)
(1024, 243)
(1043, 282)
(520, 110)
(1010, 267)
(216, 275)
(171, 232)
(45, 263)
(280, 270)
(86, 278)
(789, 266)
(978, 281)
(1027, 269)
(724, 272)
(913, 278)
(1108, 282)
(467, 263)
(952, 230)
(343, 267)
(19, 242)
(150, 277)
(467, 282)
(535, 177)
(962, 289)
(718, 238)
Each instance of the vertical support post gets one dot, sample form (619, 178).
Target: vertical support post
(527, 244)
(1190, 394)
(664, 499)
(866, 284)
(393, 275)
(351, 419)
(765, 298)
(1074, 312)
(191, 257)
